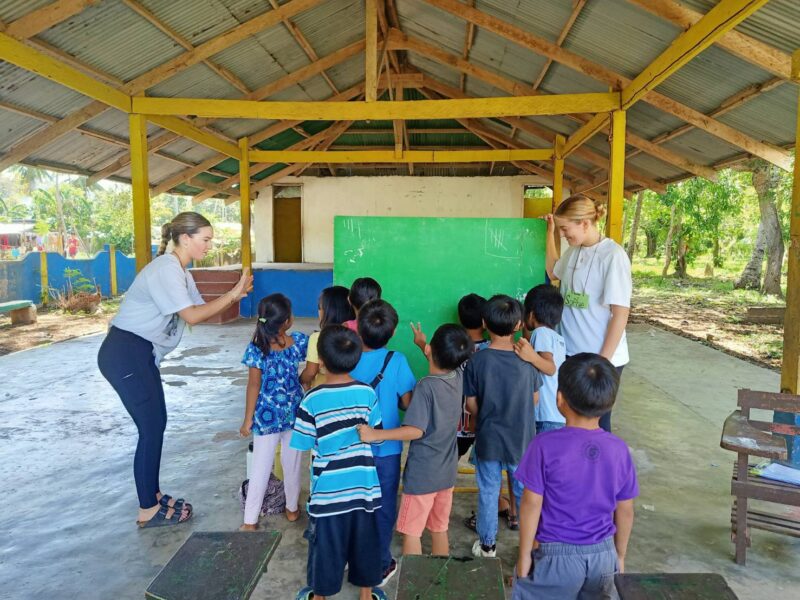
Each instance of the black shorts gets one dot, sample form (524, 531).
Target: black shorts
(338, 540)
(464, 444)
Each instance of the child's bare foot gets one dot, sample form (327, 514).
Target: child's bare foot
(292, 515)
(249, 527)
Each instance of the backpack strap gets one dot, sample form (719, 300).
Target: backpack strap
(379, 377)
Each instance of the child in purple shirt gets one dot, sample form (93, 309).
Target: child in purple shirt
(580, 483)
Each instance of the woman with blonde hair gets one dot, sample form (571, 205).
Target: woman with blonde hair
(148, 325)
(595, 275)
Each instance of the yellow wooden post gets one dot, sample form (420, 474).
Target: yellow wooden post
(558, 170)
(244, 202)
(371, 57)
(616, 177)
(112, 267)
(43, 273)
(790, 370)
(141, 190)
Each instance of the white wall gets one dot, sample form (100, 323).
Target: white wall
(326, 197)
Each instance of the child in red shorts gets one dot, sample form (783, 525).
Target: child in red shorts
(430, 424)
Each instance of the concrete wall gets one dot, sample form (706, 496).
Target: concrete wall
(22, 279)
(325, 197)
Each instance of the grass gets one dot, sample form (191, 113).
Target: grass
(708, 308)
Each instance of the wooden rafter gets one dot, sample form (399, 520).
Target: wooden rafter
(224, 73)
(50, 15)
(519, 89)
(744, 46)
(156, 75)
(577, 7)
(598, 72)
(371, 56)
(303, 42)
(469, 39)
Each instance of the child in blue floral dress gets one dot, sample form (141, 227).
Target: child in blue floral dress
(273, 395)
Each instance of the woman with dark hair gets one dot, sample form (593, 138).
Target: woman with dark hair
(149, 324)
(334, 309)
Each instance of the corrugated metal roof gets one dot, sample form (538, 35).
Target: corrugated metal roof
(614, 33)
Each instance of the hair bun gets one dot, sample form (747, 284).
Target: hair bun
(601, 208)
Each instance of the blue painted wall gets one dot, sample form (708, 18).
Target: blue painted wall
(21, 279)
(302, 287)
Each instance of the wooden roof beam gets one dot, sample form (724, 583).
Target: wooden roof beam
(176, 37)
(156, 75)
(744, 46)
(42, 19)
(546, 48)
(519, 89)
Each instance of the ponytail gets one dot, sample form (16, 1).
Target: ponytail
(273, 312)
(581, 208)
(166, 236)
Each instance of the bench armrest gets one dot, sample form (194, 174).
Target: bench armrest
(738, 435)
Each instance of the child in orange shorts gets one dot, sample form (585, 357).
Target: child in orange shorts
(430, 424)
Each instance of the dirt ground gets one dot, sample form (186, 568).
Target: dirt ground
(714, 320)
(53, 326)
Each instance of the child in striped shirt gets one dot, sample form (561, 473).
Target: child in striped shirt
(345, 491)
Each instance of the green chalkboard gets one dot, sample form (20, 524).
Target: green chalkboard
(425, 265)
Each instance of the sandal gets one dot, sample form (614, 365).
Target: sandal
(292, 516)
(512, 521)
(160, 519)
(165, 498)
(308, 594)
(471, 522)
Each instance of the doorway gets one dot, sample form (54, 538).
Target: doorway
(287, 229)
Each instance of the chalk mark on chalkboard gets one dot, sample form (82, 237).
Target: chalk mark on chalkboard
(496, 244)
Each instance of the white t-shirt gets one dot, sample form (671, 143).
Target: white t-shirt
(151, 305)
(602, 271)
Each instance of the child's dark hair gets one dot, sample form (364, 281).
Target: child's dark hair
(589, 384)
(377, 321)
(470, 308)
(546, 304)
(273, 311)
(335, 307)
(339, 349)
(451, 346)
(362, 291)
(502, 314)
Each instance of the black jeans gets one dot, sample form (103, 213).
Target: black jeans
(605, 420)
(126, 361)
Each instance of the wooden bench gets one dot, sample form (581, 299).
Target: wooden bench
(673, 586)
(215, 566)
(450, 578)
(22, 312)
(749, 437)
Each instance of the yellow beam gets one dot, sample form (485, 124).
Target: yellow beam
(558, 170)
(43, 277)
(112, 267)
(244, 202)
(716, 23)
(616, 177)
(32, 60)
(389, 156)
(141, 191)
(585, 133)
(189, 131)
(371, 56)
(790, 369)
(360, 111)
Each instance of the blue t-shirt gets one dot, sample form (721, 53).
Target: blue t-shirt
(343, 475)
(280, 391)
(544, 339)
(397, 380)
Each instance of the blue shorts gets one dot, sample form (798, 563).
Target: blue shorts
(338, 540)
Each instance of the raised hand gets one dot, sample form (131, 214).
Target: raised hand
(420, 339)
(244, 285)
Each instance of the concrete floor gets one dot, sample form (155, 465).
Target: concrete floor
(66, 445)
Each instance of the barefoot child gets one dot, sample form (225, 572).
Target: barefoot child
(273, 394)
(345, 491)
(580, 483)
(430, 424)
